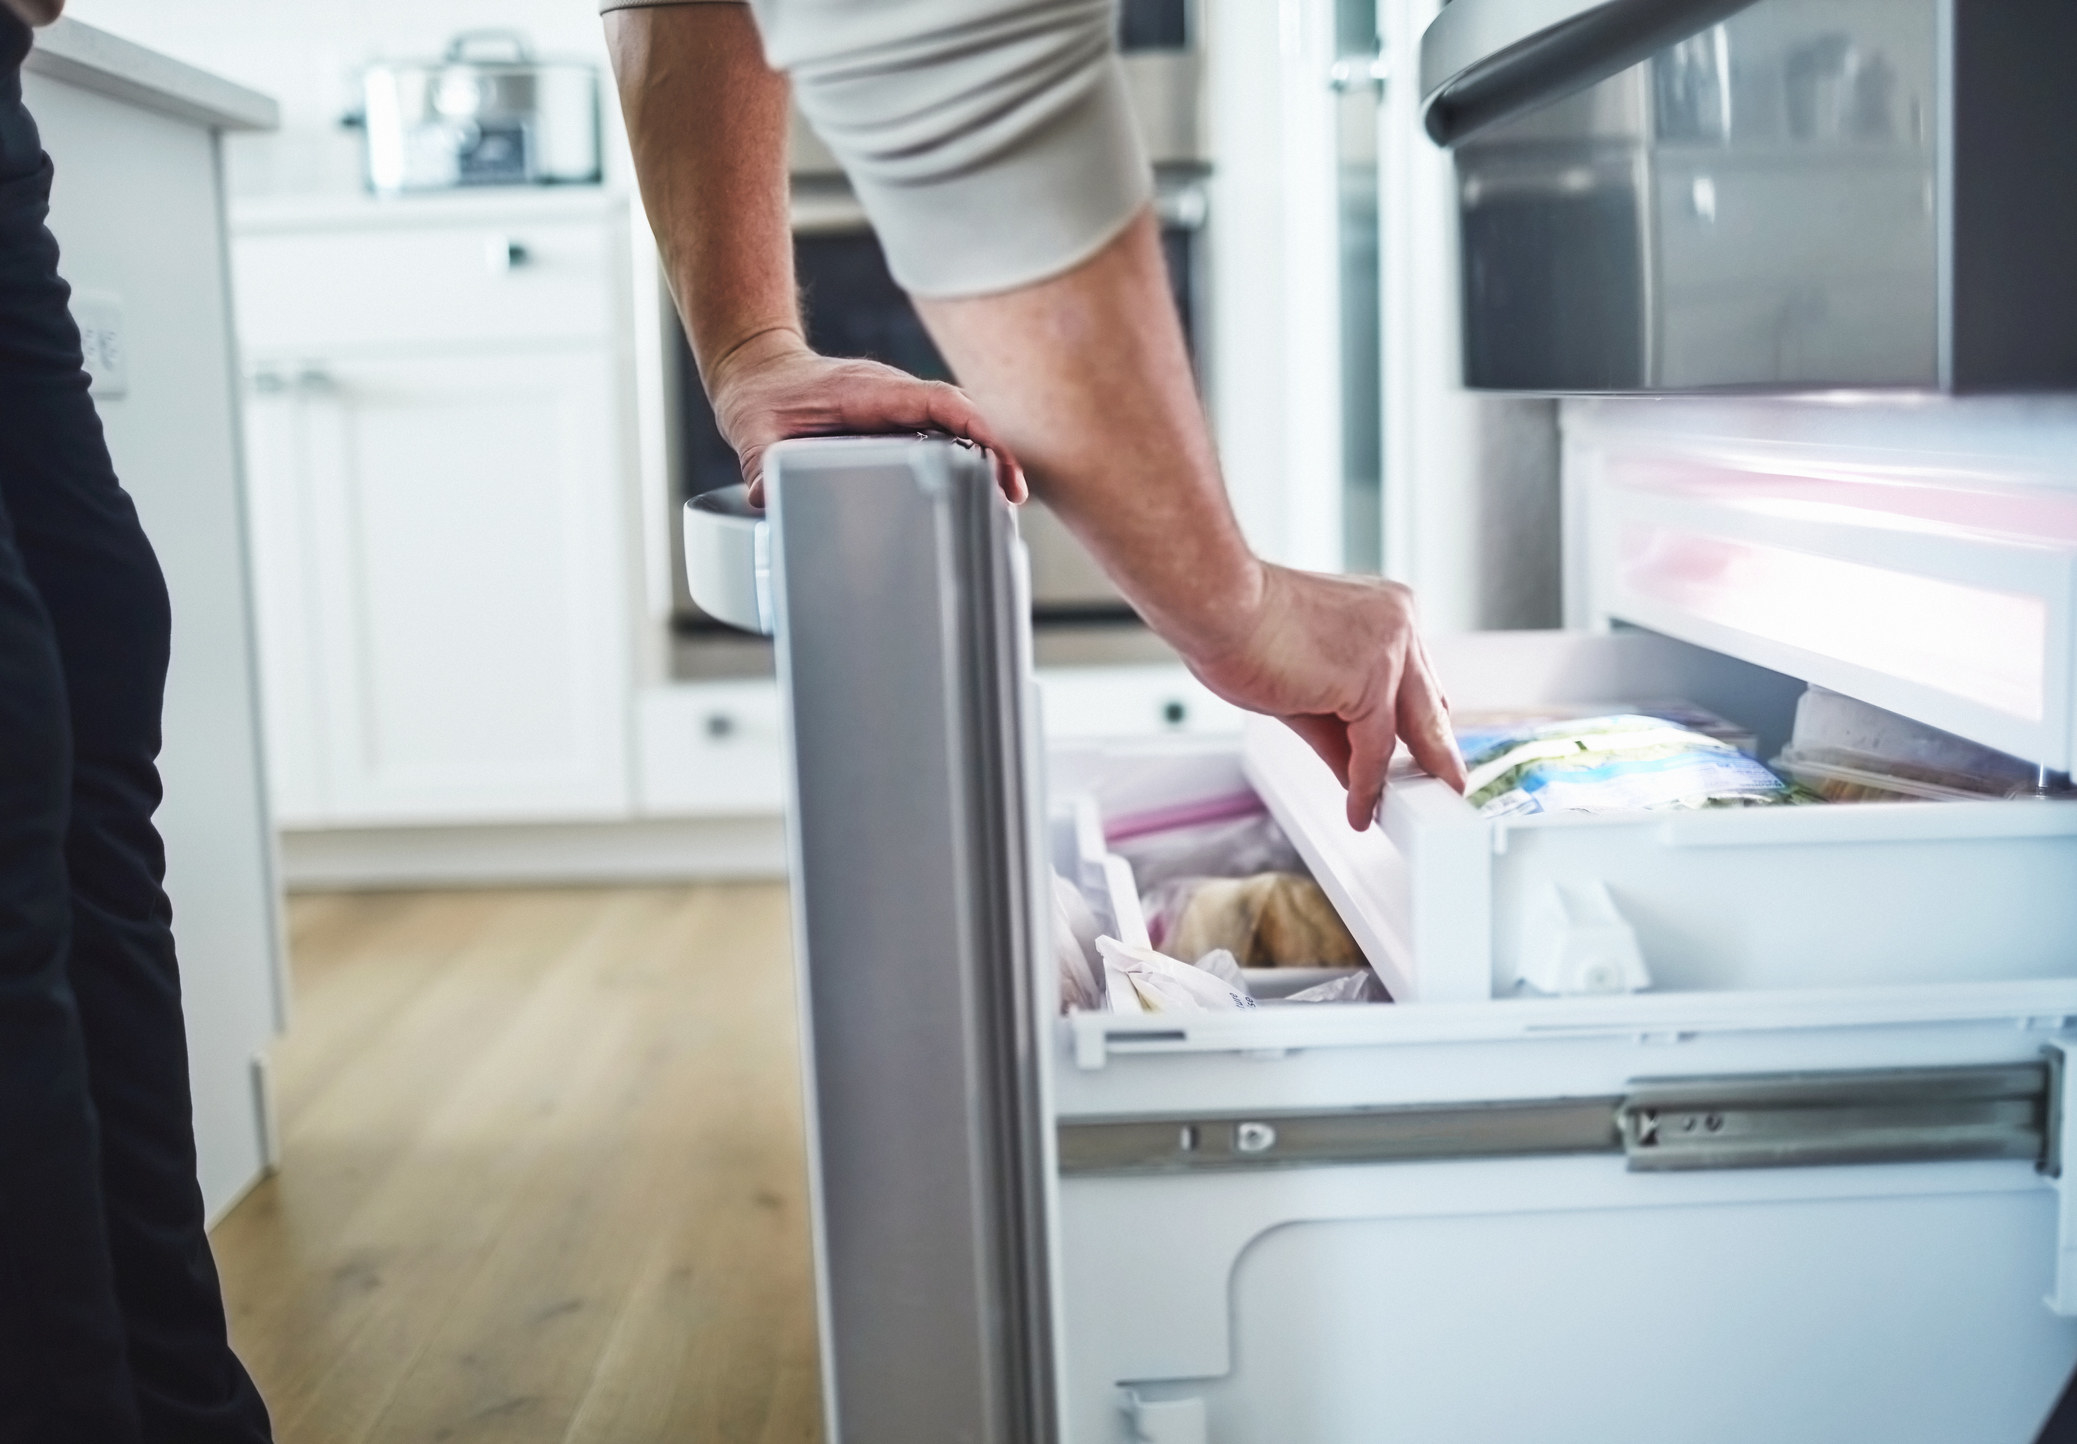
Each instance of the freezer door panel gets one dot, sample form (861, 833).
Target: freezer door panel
(900, 611)
(1569, 1296)
(1910, 1319)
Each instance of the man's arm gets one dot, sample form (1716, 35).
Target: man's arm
(707, 120)
(1087, 378)
(1082, 372)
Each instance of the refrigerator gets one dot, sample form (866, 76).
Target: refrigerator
(1713, 1126)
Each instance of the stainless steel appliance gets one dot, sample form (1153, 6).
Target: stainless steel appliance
(487, 113)
(1793, 194)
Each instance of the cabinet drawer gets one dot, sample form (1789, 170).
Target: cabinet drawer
(1448, 905)
(714, 749)
(437, 286)
(1095, 702)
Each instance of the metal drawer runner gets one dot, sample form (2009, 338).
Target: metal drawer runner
(1896, 1115)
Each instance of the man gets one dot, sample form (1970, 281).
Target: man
(992, 146)
(111, 1323)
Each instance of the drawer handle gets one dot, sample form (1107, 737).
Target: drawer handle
(502, 254)
(720, 726)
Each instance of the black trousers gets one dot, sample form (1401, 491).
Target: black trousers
(111, 1319)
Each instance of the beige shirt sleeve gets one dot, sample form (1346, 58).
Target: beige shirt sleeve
(992, 142)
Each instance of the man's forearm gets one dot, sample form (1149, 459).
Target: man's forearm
(1086, 378)
(707, 120)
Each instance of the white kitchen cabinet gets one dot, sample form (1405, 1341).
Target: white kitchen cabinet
(437, 419)
(711, 749)
(440, 587)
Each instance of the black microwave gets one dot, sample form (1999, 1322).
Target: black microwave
(1776, 195)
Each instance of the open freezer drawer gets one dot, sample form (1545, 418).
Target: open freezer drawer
(1733, 1212)
(1436, 1220)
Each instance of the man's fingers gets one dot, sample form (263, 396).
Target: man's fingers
(1372, 740)
(752, 462)
(893, 401)
(1010, 477)
(1424, 721)
(953, 411)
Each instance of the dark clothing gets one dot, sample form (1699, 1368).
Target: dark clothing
(111, 1321)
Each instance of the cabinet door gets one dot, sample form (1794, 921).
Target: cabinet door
(277, 499)
(463, 541)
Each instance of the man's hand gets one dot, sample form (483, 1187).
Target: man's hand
(1086, 377)
(774, 388)
(707, 122)
(1339, 660)
(36, 12)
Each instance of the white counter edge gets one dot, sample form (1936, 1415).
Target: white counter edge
(78, 54)
(333, 211)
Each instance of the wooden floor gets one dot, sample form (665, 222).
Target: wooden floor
(541, 1174)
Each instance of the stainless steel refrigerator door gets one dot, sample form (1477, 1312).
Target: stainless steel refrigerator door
(900, 608)
(1788, 195)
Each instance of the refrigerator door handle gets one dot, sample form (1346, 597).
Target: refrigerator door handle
(1483, 61)
(728, 559)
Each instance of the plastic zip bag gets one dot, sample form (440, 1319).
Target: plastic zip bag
(1358, 987)
(1232, 847)
(1162, 984)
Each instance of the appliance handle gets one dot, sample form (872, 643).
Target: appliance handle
(728, 559)
(509, 47)
(1484, 61)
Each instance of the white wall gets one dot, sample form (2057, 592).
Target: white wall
(308, 53)
(1471, 482)
(1273, 273)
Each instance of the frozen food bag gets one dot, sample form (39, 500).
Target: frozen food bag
(1627, 762)
(1480, 728)
(1165, 985)
(1847, 750)
(1269, 920)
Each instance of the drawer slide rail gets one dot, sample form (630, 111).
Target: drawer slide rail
(1895, 1115)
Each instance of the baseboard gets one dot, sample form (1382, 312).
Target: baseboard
(646, 850)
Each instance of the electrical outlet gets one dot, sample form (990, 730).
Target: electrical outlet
(105, 341)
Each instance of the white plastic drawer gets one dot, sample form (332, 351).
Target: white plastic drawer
(1447, 904)
(1922, 558)
(438, 285)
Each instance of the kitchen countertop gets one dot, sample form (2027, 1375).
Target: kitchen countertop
(92, 59)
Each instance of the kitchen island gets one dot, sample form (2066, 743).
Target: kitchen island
(137, 208)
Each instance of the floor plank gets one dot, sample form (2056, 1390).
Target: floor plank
(542, 1176)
